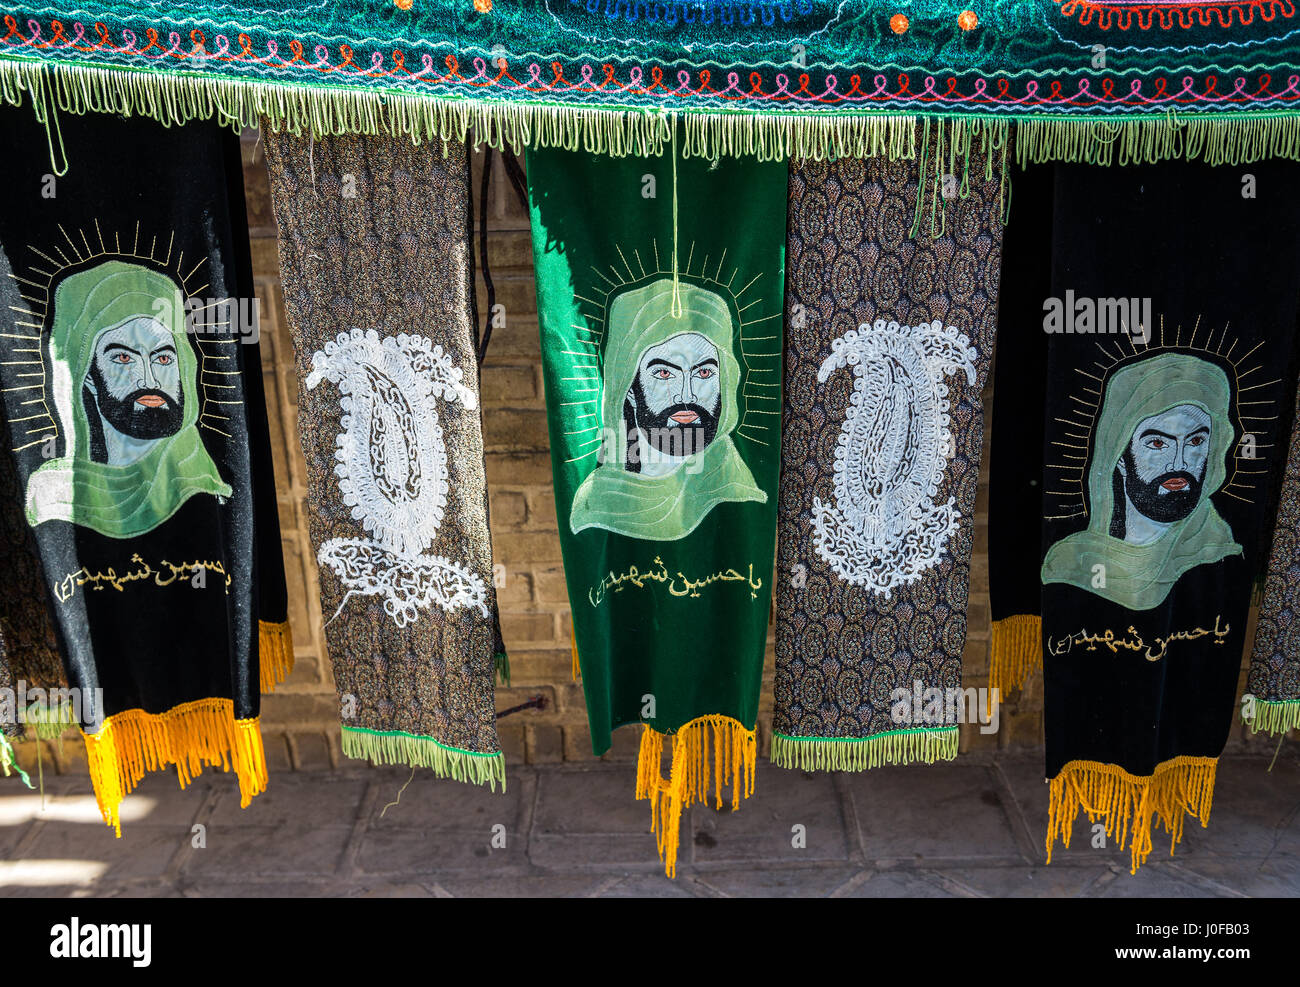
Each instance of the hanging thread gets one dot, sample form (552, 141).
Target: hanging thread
(677, 293)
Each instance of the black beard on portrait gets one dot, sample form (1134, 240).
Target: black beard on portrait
(1163, 508)
(667, 436)
(138, 421)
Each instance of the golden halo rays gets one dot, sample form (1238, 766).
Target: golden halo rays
(760, 340)
(21, 339)
(1069, 459)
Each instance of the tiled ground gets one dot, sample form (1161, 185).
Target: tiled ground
(972, 828)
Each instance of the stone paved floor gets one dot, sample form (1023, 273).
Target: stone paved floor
(972, 828)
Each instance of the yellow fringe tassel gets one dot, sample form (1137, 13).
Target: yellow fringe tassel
(274, 654)
(1179, 786)
(191, 736)
(1017, 653)
(734, 751)
(577, 669)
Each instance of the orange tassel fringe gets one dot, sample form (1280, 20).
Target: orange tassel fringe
(1017, 653)
(577, 669)
(274, 654)
(1181, 786)
(191, 736)
(734, 753)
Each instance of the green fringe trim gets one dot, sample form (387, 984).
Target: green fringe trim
(502, 662)
(322, 110)
(1216, 139)
(1225, 138)
(395, 747)
(925, 745)
(44, 724)
(1273, 716)
(176, 99)
(822, 137)
(9, 761)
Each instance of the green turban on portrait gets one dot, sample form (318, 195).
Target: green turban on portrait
(121, 500)
(1140, 577)
(668, 506)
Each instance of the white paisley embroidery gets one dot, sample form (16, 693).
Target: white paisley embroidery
(884, 528)
(392, 470)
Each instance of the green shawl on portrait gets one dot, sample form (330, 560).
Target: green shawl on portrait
(1139, 577)
(666, 507)
(120, 501)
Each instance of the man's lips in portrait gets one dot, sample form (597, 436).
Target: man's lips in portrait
(151, 401)
(685, 417)
(1175, 484)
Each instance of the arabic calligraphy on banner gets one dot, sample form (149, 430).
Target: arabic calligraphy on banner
(166, 574)
(1133, 642)
(678, 584)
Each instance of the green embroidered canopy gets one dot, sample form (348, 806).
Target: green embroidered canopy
(1092, 80)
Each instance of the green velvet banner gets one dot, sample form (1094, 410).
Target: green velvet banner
(659, 287)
